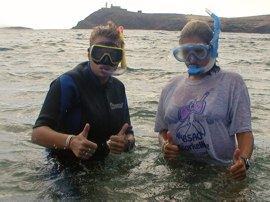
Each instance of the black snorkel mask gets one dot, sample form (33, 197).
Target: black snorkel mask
(106, 55)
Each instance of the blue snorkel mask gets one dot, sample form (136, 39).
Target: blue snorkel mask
(200, 51)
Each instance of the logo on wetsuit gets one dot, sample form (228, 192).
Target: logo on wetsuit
(116, 106)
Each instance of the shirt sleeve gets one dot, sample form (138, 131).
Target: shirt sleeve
(160, 115)
(60, 98)
(240, 112)
(50, 111)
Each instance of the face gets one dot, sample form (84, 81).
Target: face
(101, 70)
(193, 60)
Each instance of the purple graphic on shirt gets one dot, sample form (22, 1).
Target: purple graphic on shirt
(196, 107)
(191, 132)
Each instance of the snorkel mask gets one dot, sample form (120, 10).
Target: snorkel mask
(189, 52)
(110, 56)
(106, 55)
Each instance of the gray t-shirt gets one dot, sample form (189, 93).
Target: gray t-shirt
(203, 116)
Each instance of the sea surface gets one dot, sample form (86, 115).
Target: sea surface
(31, 59)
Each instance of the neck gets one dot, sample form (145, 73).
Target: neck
(103, 81)
(197, 77)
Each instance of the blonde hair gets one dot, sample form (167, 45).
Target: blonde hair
(109, 31)
(196, 28)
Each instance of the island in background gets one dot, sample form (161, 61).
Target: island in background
(171, 22)
(17, 28)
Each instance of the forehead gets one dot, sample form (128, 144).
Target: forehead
(192, 39)
(105, 41)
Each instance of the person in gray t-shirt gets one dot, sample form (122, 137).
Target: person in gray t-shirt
(205, 114)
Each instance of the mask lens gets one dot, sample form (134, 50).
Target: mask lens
(97, 53)
(185, 53)
(200, 52)
(116, 55)
(182, 53)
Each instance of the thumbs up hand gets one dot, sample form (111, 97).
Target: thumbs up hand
(170, 151)
(238, 169)
(81, 146)
(117, 143)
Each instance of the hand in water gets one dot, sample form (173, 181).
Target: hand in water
(81, 146)
(238, 169)
(117, 143)
(170, 151)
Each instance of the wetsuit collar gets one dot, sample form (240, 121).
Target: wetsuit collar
(95, 78)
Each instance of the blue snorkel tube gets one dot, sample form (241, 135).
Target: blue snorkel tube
(214, 41)
(194, 69)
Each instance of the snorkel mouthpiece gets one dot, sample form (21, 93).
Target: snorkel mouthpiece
(195, 70)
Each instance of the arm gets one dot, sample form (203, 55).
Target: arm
(44, 132)
(79, 145)
(129, 142)
(243, 151)
(245, 143)
(47, 137)
(240, 115)
(161, 140)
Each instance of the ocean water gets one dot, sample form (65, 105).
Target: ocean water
(31, 59)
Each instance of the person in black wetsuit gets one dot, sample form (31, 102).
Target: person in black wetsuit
(85, 115)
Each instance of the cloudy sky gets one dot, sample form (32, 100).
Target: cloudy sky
(64, 14)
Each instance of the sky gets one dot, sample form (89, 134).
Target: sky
(64, 14)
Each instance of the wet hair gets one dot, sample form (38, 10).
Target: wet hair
(196, 28)
(202, 30)
(109, 31)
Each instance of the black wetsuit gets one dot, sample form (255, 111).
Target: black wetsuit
(77, 98)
